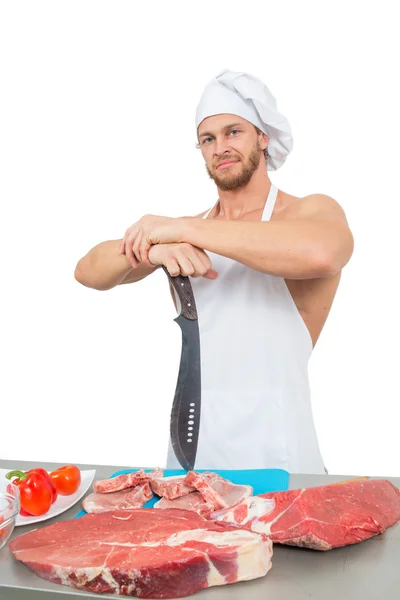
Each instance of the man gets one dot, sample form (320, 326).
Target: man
(264, 267)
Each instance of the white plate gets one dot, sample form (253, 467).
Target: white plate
(62, 503)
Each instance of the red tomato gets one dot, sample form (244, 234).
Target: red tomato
(66, 479)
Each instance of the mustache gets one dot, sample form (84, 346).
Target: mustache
(226, 159)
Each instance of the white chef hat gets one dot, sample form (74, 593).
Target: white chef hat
(244, 95)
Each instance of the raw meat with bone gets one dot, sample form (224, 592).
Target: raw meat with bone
(170, 487)
(193, 501)
(320, 518)
(213, 493)
(207, 484)
(123, 500)
(124, 481)
(145, 553)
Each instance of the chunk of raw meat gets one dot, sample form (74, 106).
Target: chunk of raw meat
(124, 481)
(146, 553)
(320, 518)
(170, 487)
(193, 501)
(216, 490)
(250, 514)
(123, 500)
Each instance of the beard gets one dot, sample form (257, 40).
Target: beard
(228, 181)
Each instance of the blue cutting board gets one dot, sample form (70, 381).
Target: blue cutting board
(261, 480)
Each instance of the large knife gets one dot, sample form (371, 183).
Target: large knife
(185, 413)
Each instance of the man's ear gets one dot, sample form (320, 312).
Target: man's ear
(263, 139)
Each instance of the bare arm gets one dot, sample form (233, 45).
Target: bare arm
(103, 267)
(312, 239)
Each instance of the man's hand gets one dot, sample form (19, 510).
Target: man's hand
(182, 259)
(150, 230)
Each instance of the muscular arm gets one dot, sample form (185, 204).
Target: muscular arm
(103, 267)
(312, 239)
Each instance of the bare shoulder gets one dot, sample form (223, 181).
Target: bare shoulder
(312, 206)
(322, 202)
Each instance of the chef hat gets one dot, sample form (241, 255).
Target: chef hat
(244, 95)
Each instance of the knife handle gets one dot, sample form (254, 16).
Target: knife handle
(183, 288)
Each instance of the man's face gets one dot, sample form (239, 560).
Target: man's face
(225, 138)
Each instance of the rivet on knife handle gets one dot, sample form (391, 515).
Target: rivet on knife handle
(184, 290)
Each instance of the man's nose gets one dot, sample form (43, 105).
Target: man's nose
(221, 147)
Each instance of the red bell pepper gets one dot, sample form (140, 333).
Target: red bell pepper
(54, 492)
(35, 492)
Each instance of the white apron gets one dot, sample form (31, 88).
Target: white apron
(255, 398)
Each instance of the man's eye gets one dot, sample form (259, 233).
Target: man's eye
(206, 140)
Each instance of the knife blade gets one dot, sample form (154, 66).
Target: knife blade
(185, 412)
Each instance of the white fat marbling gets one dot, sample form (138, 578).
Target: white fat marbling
(86, 574)
(257, 507)
(217, 538)
(254, 559)
(214, 577)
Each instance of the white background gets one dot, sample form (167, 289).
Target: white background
(97, 129)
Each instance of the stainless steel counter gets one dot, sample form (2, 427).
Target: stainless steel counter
(366, 571)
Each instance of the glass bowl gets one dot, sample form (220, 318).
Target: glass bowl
(9, 509)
